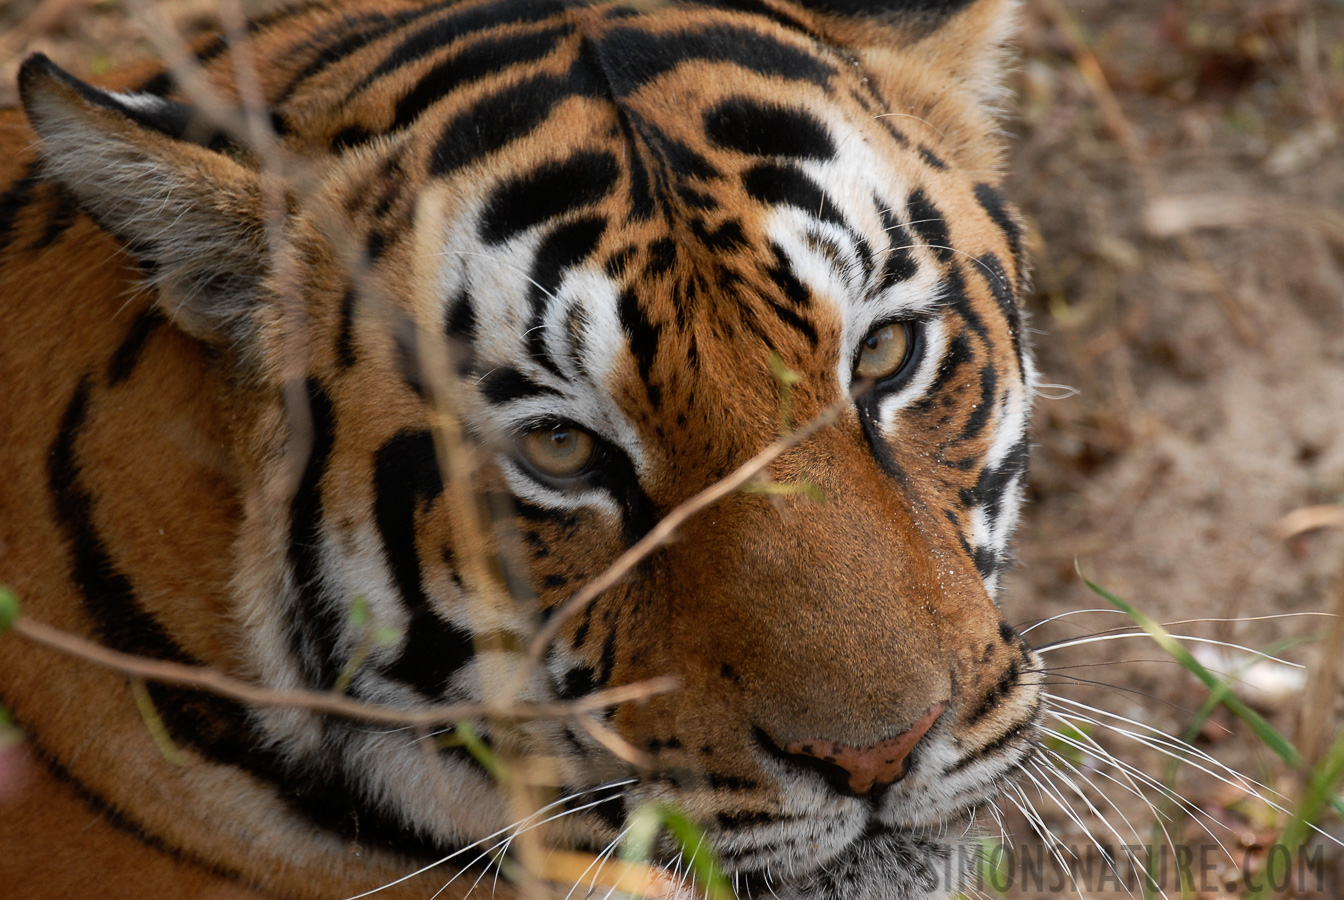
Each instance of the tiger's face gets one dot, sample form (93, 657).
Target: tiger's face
(625, 255)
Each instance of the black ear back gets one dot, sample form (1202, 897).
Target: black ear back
(148, 110)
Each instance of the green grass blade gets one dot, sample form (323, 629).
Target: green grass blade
(1266, 732)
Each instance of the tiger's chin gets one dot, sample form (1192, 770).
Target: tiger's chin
(882, 863)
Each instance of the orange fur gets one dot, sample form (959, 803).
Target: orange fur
(793, 617)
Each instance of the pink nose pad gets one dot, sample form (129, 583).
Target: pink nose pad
(880, 764)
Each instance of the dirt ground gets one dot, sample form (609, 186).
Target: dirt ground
(1181, 166)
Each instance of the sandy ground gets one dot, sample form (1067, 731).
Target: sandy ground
(1183, 171)
(1181, 165)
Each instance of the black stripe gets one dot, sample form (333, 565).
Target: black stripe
(128, 352)
(619, 260)
(478, 61)
(900, 263)
(13, 200)
(661, 256)
(110, 814)
(679, 160)
(579, 681)
(326, 793)
(986, 560)
(313, 626)
(531, 512)
(954, 294)
(345, 337)
(992, 202)
(641, 195)
(506, 383)
(375, 245)
(744, 820)
(585, 623)
(607, 661)
(455, 26)
(795, 321)
(640, 56)
(610, 810)
(160, 85)
(565, 247)
(979, 417)
(108, 595)
(994, 696)
(933, 159)
(349, 43)
(547, 191)
(59, 219)
(726, 237)
(767, 129)
(644, 336)
(929, 224)
(1002, 289)
(406, 480)
(876, 8)
(213, 48)
(781, 272)
(502, 118)
(787, 185)
(1011, 735)
(219, 729)
(872, 430)
(993, 482)
(758, 8)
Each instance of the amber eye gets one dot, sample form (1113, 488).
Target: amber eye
(883, 352)
(561, 451)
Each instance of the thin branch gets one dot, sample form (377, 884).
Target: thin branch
(216, 682)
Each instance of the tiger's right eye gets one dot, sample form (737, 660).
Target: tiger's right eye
(561, 451)
(883, 352)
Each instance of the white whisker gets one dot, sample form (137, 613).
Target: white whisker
(1100, 638)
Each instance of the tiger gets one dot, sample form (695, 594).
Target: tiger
(651, 239)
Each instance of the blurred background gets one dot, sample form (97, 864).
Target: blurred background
(1180, 165)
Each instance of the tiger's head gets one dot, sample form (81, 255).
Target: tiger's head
(597, 257)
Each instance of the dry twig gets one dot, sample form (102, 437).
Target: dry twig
(216, 682)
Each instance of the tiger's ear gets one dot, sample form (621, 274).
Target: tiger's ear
(192, 214)
(940, 60)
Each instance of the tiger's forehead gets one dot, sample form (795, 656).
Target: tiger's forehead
(625, 268)
(638, 213)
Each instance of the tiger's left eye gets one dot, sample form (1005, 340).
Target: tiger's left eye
(883, 352)
(562, 451)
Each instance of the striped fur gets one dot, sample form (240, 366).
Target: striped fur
(218, 435)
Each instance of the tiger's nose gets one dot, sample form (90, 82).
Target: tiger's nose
(857, 770)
